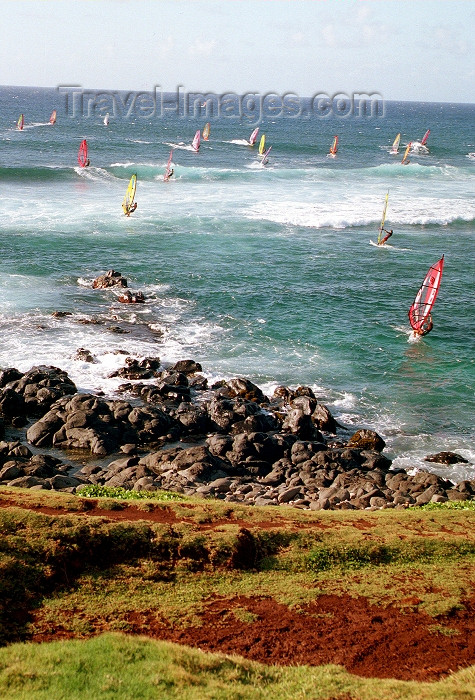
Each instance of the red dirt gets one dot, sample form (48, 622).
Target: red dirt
(368, 641)
(159, 514)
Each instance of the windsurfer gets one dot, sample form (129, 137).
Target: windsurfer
(386, 237)
(168, 175)
(426, 327)
(130, 209)
(88, 162)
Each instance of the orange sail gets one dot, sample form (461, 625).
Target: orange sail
(334, 147)
(405, 160)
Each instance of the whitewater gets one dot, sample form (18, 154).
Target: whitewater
(263, 272)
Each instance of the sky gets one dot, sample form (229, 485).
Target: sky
(418, 50)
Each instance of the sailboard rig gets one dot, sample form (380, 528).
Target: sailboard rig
(334, 147)
(395, 146)
(425, 137)
(21, 121)
(106, 119)
(206, 131)
(262, 145)
(253, 137)
(264, 156)
(82, 154)
(169, 170)
(52, 119)
(128, 205)
(383, 219)
(405, 160)
(196, 141)
(419, 313)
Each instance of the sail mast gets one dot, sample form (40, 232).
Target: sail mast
(82, 154)
(425, 298)
(262, 145)
(405, 161)
(127, 204)
(253, 137)
(383, 218)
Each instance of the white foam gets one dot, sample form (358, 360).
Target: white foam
(362, 210)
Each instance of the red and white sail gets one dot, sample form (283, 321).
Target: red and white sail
(425, 298)
(82, 154)
(425, 137)
(253, 137)
(196, 141)
(168, 171)
(52, 119)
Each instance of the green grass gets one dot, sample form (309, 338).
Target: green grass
(114, 666)
(356, 556)
(448, 505)
(117, 492)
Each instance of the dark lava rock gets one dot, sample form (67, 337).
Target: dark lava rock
(446, 458)
(84, 355)
(367, 440)
(110, 279)
(186, 367)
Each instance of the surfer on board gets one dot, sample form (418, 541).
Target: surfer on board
(426, 327)
(386, 237)
(132, 208)
(168, 175)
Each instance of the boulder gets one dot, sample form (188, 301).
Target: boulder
(367, 440)
(245, 389)
(300, 424)
(110, 279)
(186, 367)
(9, 375)
(84, 355)
(446, 458)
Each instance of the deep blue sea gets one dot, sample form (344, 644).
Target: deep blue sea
(264, 272)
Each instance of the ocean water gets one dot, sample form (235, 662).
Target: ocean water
(263, 272)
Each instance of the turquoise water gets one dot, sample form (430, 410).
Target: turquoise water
(263, 272)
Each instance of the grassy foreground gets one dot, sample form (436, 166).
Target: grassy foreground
(63, 568)
(119, 667)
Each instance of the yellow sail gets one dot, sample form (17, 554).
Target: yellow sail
(130, 195)
(262, 145)
(383, 218)
(206, 131)
(395, 147)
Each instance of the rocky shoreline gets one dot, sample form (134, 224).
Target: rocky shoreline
(228, 441)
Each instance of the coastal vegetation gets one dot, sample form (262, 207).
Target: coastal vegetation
(110, 589)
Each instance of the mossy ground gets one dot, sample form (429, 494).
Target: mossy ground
(72, 567)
